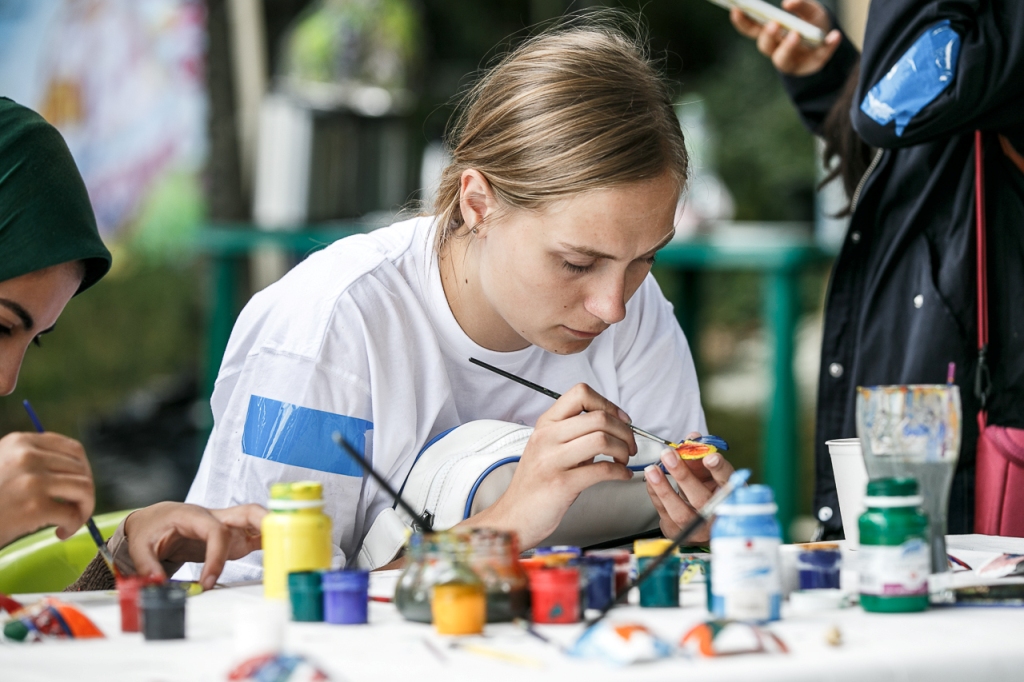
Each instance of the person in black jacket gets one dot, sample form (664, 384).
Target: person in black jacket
(901, 118)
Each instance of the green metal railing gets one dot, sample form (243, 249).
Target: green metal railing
(781, 264)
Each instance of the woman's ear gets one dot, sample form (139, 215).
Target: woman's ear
(476, 200)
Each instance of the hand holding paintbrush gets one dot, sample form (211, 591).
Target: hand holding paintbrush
(67, 483)
(45, 480)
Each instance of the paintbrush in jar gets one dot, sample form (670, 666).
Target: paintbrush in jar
(422, 521)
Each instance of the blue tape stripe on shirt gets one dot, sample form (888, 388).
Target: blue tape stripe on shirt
(302, 437)
(916, 79)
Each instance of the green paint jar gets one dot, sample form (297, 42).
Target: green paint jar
(661, 588)
(305, 590)
(894, 555)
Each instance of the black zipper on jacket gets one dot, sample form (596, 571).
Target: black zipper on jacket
(864, 179)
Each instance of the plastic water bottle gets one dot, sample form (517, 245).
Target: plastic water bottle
(745, 539)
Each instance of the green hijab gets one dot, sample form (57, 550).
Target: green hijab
(45, 215)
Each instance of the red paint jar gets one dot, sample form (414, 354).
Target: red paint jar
(128, 588)
(555, 595)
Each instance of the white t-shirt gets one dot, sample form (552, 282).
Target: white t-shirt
(359, 338)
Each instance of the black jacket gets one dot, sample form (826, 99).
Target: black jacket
(901, 302)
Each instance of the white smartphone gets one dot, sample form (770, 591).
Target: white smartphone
(763, 12)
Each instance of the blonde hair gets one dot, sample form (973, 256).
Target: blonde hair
(574, 109)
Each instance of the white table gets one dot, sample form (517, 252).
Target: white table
(942, 644)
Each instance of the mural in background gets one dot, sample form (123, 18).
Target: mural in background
(123, 82)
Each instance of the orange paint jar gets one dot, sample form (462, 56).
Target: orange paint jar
(459, 608)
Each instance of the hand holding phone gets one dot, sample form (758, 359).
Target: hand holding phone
(791, 53)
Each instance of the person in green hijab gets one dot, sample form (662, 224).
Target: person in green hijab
(50, 251)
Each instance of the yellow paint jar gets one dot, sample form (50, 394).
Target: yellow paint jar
(296, 535)
(459, 608)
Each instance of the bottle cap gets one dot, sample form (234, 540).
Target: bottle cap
(602, 561)
(751, 500)
(893, 487)
(557, 549)
(555, 578)
(346, 579)
(655, 547)
(620, 555)
(292, 496)
(16, 631)
(301, 490)
(304, 581)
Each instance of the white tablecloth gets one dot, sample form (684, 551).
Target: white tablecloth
(941, 644)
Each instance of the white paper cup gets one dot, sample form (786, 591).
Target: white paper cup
(851, 482)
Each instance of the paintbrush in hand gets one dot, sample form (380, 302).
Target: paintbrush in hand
(717, 442)
(422, 521)
(97, 537)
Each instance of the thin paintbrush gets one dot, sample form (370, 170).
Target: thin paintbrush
(420, 520)
(711, 440)
(97, 537)
(736, 480)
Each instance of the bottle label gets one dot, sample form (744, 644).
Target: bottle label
(745, 576)
(895, 570)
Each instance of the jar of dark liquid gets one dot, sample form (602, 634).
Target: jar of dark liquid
(494, 557)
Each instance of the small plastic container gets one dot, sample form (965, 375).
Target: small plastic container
(661, 589)
(555, 595)
(128, 588)
(818, 569)
(306, 594)
(346, 596)
(162, 611)
(623, 564)
(746, 570)
(296, 535)
(894, 556)
(600, 588)
(459, 608)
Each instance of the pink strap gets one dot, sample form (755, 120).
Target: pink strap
(979, 202)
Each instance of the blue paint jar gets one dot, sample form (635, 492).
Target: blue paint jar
(600, 572)
(818, 569)
(745, 538)
(346, 596)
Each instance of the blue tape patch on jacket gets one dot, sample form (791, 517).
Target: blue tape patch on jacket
(301, 436)
(916, 79)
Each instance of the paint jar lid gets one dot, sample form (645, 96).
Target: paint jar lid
(557, 549)
(162, 596)
(347, 579)
(304, 581)
(903, 486)
(653, 547)
(555, 578)
(620, 555)
(16, 631)
(825, 558)
(602, 561)
(749, 500)
(296, 496)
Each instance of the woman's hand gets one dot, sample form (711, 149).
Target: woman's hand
(698, 479)
(180, 533)
(45, 479)
(558, 464)
(788, 53)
